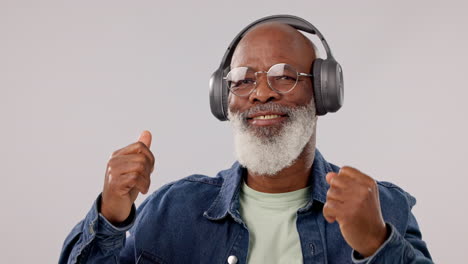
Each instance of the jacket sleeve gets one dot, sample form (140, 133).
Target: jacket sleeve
(96, 240)
(400, 247)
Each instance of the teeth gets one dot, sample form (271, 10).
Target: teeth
(266, 117)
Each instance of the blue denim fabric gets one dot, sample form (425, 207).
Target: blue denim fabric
(197, 220)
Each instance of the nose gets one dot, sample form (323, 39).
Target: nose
(263, 93)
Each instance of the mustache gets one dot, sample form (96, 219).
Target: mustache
(271, 106)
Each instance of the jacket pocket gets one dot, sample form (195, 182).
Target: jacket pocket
(148, 258)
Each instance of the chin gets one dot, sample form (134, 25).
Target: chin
(266, 132)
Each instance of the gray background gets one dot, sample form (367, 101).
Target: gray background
(80, 79)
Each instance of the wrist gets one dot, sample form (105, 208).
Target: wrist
(115, 215)
(376, 242)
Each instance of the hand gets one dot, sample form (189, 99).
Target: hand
(353, 201)
(128, 173)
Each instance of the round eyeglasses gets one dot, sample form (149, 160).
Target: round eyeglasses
(281, 78)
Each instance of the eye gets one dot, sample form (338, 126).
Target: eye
(241, 83)
(285, 78)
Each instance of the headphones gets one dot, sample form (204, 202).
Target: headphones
(327, 74)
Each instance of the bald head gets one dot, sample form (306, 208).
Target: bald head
(270, 43)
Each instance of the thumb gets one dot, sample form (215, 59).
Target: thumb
(145, 138)
(330, 176)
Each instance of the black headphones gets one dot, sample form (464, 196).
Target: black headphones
(327, 74)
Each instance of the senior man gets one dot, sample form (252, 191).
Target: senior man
(281, 202)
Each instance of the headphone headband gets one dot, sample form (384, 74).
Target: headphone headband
(294, 21)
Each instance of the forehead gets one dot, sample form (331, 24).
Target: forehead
(269, 44)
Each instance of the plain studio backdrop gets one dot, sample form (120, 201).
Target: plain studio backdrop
(80, 79)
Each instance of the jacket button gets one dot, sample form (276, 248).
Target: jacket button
(232, 259)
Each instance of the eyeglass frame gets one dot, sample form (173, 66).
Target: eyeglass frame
(298, 74)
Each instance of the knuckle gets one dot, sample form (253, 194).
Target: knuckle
(111, 163)
(133, 179)
(348, 170)
(140, 167)
(331, 193)
(108, 168)
(141, 145)
(115, 153)
(141, 158)
(363, 194)
(110, 177)
(148, 160)
(335, 183)
(371, 183)
(345, 169)
(112, 183)
(134, 176)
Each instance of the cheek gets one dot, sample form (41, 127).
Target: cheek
(301, 96)
(230, 101)
(235, 103)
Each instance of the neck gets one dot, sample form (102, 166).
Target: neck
(289, 179)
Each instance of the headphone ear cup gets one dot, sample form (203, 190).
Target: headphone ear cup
(317, 82)
(331, 85)
(328, 86)
(218, 95)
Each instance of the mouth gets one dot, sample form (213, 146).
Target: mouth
(266, 118)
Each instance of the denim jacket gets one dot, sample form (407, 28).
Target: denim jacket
(196, 220)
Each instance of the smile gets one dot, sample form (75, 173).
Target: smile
(266, 117)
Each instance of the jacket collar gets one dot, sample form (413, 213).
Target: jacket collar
(227, 200)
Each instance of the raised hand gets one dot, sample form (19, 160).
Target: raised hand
(128, 173)
(353, 201)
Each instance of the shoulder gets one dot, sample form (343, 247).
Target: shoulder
(390, 191)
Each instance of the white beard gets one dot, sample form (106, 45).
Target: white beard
(268, 150)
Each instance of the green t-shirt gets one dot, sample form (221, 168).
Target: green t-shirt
(271, 220)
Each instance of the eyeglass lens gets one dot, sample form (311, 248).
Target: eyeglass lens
(282, 78)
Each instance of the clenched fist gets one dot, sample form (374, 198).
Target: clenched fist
(353, 201)
(128, 173)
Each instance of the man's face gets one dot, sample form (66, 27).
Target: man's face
(272, 142)
(262, 48)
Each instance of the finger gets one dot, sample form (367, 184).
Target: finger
(137, 147)
(335, 194)
(328, 213)
(130, 163)
(332, 210)
(355, 176)
(145, 138)
(342, 181)
(135, 180)
(330, 176)
(147, 152)
(349, 171)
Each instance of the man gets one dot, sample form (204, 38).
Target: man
(282, 202)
